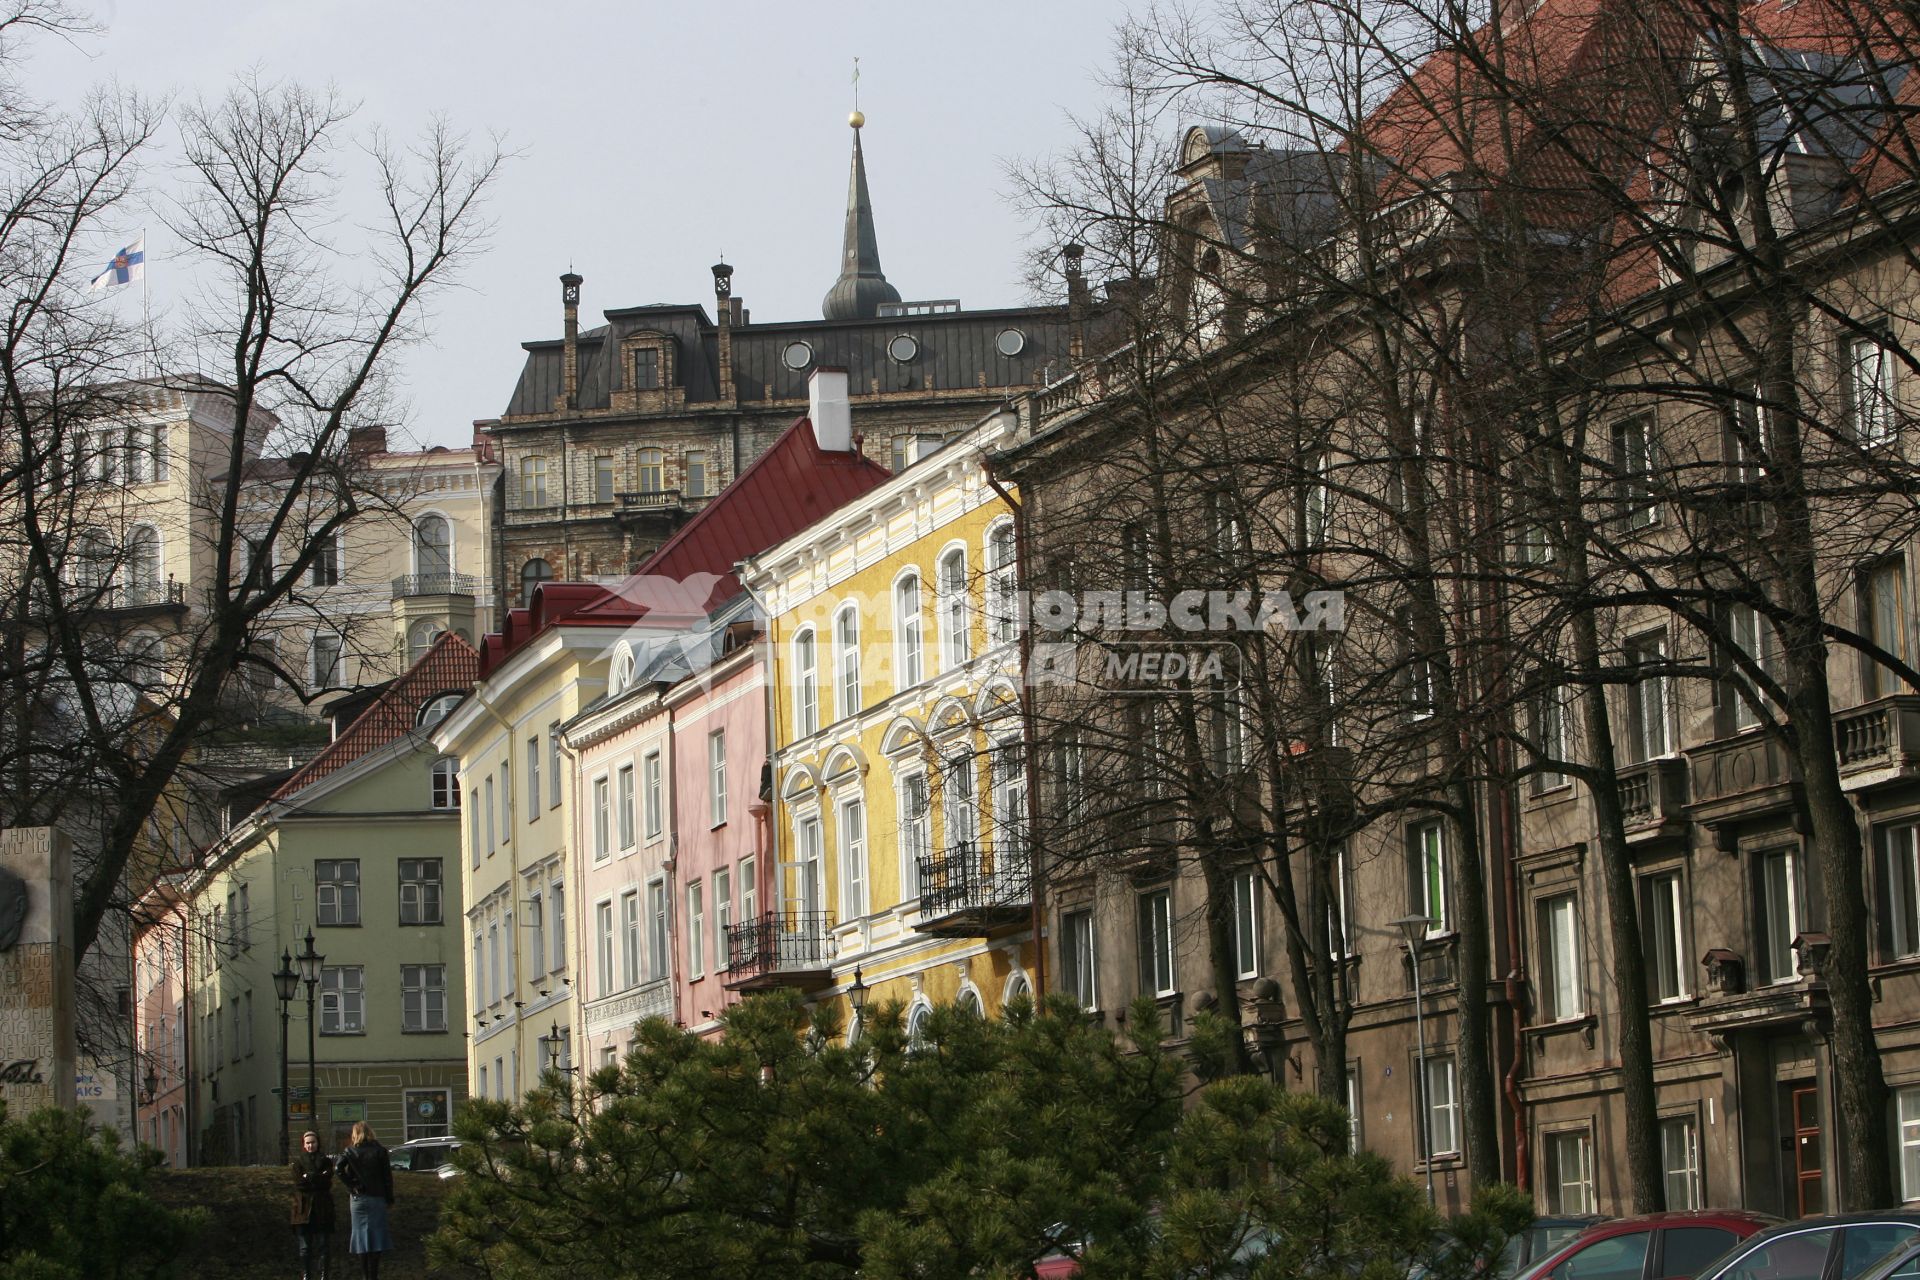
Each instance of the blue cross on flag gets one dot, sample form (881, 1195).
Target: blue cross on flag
(128, 265)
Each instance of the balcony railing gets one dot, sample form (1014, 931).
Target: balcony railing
(969, 890)
(147, 595)
(1879, 735)
(1652, 795)
(434, 584)
(780, 948)
(650, 500)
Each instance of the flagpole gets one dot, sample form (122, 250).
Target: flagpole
(146, 308)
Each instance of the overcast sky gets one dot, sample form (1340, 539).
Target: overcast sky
(652, 137)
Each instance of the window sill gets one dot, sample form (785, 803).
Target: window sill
(339, 924)
(325, 1034)
(1445, 1160)
(421, 924)
(1584, 1023)
(423, 1031)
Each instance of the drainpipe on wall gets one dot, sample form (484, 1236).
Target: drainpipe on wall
(766, 867)
(1036, 872)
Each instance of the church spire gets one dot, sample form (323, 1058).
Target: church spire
(862, 286)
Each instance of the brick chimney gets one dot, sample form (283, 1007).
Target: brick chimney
(365, 441)
(570, 359)
(1079, 298)
(725, 304)
(829, 410)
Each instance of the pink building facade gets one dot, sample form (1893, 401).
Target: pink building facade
(163, 1021)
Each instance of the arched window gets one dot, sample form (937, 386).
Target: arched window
(421, 639)
(1003, 583)
(432, 546)
(1209, 297)
(620, 673)
(846, 636)
(532, 574)
(446, 783)
(93, 560)
(144, 653)
(907, 629)
(438, 708)
(956, 646)
(143, 556)
(917, 1025)
(806, 684)
(969, 1002)
(1018, 989)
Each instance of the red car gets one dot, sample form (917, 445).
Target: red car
(1658, 1246)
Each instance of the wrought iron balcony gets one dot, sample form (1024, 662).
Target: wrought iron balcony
(131, 596)
(780, 949)
(434, 584)
(969, 890)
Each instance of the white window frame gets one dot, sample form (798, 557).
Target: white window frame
(630, 943)
(603, 947)
(652, 782)
(956, 635)
(1431, 858)
(1154, 911)
(914, 803)
(1079, 961)
(623, 806)
(423, 998)
(696, 930)
(1442, 1105)
(1567, 1191)
(1680, 1161)
(806, 682)
(846, 642)
(1870, 374)
(1780, 963)
(909, 625)
(850, 822)
(602, 817)
(343, 996)
(1562, 988)
(717, 778)
(1246, 924)
(1650, 734)
(1896, 847)
(1002, 558)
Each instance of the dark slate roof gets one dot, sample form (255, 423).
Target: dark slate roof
(862, 286)
(955, 348)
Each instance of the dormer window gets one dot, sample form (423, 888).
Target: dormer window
(647, 358)
(646, 369)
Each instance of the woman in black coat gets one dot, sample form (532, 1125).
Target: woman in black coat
(313, 1208)
(368, 1173)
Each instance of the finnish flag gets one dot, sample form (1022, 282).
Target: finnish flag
(128, 265)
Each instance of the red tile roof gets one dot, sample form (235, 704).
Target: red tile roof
(451, 665)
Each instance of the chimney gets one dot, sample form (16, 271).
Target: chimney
(724, 303)
(570, 360)
(828, 409)
(364, 441)
(1079, 299)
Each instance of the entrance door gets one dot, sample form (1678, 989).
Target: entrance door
(1809, 1172)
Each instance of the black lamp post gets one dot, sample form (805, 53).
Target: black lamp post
(310, 961)
(285, 981)
(552, 1042)
(856, 1001)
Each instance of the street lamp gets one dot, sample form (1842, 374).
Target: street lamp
(1414, 929)
(285, 982)
(857, 1001)
(310, 961)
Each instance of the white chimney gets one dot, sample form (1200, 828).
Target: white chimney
(828, 409)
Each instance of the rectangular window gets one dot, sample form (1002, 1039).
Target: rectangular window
(603, 478)
(1549, 741)
(1633, 464)
(907, 625)
(1318, 501)
(603, 946)
(1749, 432)
(1870, 388)
(553, 769)
(652, 471)
(246, 1024)
(1751, 639)
(655, 808)
(536, 935)
(325, 569)
(630, 954)
(806, 684)
(749, 890)
(1569, 1173)
(1561, 995)
(657, 958)
(1418, 670)
(1883, 601)
(916, 834)
(1156, 942)
(493, 840)
(846, 639)
(493, 962)
(423, 997)
(533, 778)
(1340, 936)
(1246, 924)
(626, 802)
(1649, 714)
(1680, 1161)
(717, 777)
(1429, 889)
(477, 970)
(506, 803)
(1663, 936)
(1907, 1111)
(696, 478)
(722, 917)
(1779, 915)
(602, 819)
(1007, 783)
(1077, 958)
(420, 895)
(336, 892)
(853, 860)
(1897, 852)
(558, 896)
(343, 1000)
(446, 784)
(1442, 1107)
(696, 929)
(326, 660)
(533, 482)
(646, 369)
(429, 1113)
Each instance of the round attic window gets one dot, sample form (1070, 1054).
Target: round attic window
(903, 348)
(798, 355)
(1011, 342)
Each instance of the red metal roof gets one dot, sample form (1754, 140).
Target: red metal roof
(451, 665)
(792, 485)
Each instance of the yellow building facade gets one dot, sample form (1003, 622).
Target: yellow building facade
(899, 788)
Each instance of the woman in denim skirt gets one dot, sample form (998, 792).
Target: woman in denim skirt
(368, 1173)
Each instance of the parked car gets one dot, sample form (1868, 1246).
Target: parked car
(1841, 1247)
(424, 1155)
(1655, 1246)
(1546, 1234)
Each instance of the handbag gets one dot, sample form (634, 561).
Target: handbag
(302, 1209)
